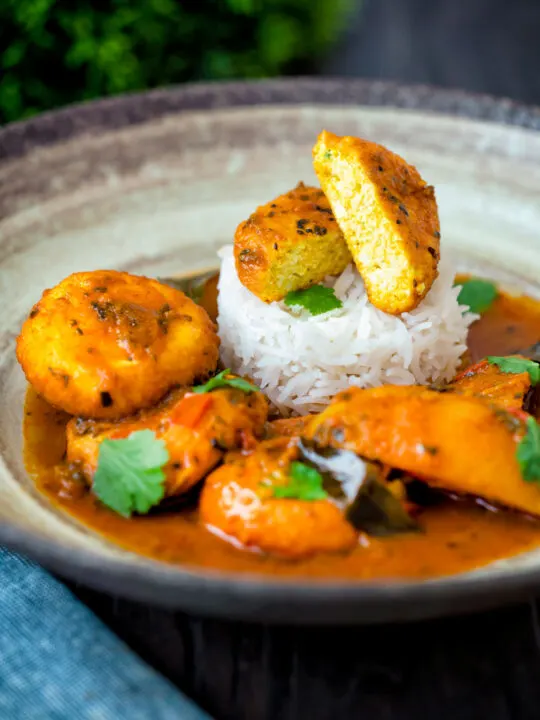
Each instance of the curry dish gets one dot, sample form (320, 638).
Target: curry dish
(458, 534)
(135, 427)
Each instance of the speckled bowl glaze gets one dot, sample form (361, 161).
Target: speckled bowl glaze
(155, 183)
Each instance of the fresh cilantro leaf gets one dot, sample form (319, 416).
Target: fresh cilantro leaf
(514, 365)
(528, 452)
(129, 476)
(305, 483)
(477, 294)
(221, 380)
(316, 299)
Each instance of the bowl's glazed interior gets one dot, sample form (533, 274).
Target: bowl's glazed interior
(159, 197)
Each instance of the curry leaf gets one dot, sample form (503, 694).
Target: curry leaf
(376, 511)
(357, 486)
(129, 476)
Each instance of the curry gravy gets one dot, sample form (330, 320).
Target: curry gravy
(457, 536)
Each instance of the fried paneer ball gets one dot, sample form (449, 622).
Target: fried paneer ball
(237, 501)
(197, 429)
(105, 344)
(289, 244)
(388, 215)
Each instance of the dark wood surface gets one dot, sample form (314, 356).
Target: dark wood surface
(464, 668)
(487, 46)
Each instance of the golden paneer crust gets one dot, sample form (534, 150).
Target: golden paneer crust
(388, 216)
(104, 344)
(289, 244)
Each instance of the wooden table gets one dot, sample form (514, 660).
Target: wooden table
(486, 46)
(479, 667)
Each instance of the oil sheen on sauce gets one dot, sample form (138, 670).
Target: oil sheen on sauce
(456, 537)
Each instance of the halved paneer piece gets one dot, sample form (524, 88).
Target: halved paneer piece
(388, 215)
(454, 442)
(289, 244)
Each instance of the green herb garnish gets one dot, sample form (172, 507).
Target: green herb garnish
(305, 483)
(528, 452)
(316, 299)
(129, 476)
(477, 294)
(515, 365)
(221, 380)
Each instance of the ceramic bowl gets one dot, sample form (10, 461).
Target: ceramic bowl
(155, 183)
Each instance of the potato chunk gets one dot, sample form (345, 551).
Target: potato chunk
(507, 390)
(197, 430)
(289, 244)
(388, 216)
(454, 442)
(237, 502)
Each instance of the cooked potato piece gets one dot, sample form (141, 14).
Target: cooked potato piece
(104, 344)
(196, 428)
(508, 390)
(388, 216)
(236, 502)
(455, 442)
(289, 244)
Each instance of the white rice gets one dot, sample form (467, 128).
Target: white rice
(300, 361)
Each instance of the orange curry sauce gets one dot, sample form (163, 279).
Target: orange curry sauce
(457, 537)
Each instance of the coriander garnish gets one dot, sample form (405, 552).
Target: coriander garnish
(477, 294)
(316, 299)
(222, 381)
(528, 452)
(129, 476)
(305, 483)
(516, 365)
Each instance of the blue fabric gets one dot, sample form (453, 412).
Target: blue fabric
(58, 661)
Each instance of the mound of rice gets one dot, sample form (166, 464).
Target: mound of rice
(300, 361)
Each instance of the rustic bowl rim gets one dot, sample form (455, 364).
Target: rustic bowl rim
(248, 596)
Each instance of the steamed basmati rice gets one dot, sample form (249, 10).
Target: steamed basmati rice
(300, 361)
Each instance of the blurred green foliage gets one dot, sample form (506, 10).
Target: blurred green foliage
(54, 52)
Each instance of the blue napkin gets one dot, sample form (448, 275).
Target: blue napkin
(59, 662)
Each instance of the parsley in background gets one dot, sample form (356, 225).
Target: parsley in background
(55, 53)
